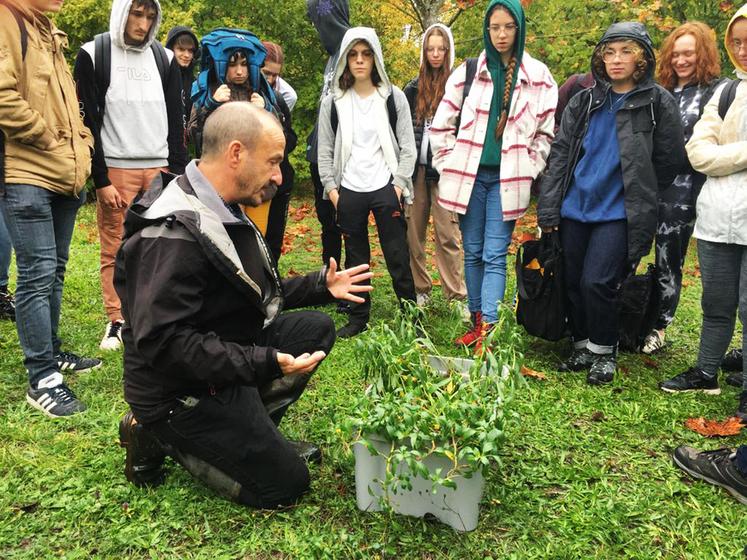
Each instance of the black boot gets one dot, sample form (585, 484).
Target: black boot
(732, 361)
(7, 304)
(602, 371)
(307, 451)
(144, 453)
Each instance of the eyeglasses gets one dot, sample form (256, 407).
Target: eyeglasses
(738, 44)
(436, 50)
(625, 55)
(509, 28)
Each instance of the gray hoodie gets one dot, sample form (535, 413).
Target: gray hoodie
(335, 146)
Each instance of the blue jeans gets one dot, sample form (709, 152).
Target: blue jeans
(40, 224)
(5, 250)
(486, 238)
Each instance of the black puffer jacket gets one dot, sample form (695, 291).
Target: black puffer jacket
(650, 136)
(411, 92)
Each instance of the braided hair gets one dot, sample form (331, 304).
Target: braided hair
(503, 118)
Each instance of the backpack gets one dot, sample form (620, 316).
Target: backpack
(471, 70)
(727, 98)
(391, 111)
(639, 309)
(24, 47)
(102, 54)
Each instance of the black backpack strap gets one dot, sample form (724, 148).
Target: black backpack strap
(102, 66)
(162, 62)
(21, 27)
(391, 110)
(727, 98)
(333, 118)
(469, 77)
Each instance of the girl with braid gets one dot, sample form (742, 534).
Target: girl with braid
(488, 146)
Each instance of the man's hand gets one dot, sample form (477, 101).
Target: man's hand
(222, 94)
(334, 196)
(342, 284)
(109, 196)
(305, 363)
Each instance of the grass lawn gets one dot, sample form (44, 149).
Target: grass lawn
(586, 473)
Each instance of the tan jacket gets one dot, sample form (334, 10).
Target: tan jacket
(46, 142)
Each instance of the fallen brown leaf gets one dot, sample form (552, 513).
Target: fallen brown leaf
(528, 372)
(713, 428)
(650, 363)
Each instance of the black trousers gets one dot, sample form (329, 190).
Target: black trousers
(352, 216)
(325, 213)
(276, 221)
(230, 440)
(595, 257)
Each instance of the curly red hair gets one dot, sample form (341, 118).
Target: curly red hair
(708, 65)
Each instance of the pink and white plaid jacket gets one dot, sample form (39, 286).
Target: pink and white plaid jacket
(526, 138)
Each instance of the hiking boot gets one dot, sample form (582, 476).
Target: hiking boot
(351, 329)
(144, 455)
(735, 379)
(602, 369)
(484, 330)
(653, 342)
(68, 361)
(423, 299)
(717, 467)
(732, 361)
(7, 304)
(55, 402)
(579, 360)
(742, 410)
(307, 451)
(472, 335)
(691, 380)
(112, 336)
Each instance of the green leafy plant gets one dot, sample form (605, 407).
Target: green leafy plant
(421, 411)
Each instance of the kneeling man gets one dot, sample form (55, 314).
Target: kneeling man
(211, 364)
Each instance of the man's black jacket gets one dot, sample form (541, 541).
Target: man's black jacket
(197, 289)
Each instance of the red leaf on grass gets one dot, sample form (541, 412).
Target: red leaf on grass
(529, 372)
(300, 213)
(713, 428)
(650, 363)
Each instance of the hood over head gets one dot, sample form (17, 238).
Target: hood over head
(448, 33)
(515, 9)
(176, 32)
(331, 18)
(741, 70)
(352, 36)
(624, 31)
(118, 22)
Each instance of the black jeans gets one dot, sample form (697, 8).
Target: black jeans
(353, 209)
(325, 213)
(276, 221)
(595, 263)
(230, 439)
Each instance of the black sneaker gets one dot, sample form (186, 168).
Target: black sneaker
(716, 467)
(7, 305)
(579, 360)
(732, 361)
(67, 361)
(55, 402)
(307, 451)
(735, 379)
(602, 371)
(351, 329)
(691, 380)
(742, 410)
(144, 454)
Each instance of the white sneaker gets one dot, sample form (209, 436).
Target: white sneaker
(112, 336)
(423, 299)
(653, 342)
(464, 311)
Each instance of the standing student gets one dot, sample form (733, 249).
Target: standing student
(42, 186)
(273, 68)
(137, 120)
(185, 46)
(366, 161)
(618, 145)
(424, 93)
(718, 149)
(488, 149)
(689, 68)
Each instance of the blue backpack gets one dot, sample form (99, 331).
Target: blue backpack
(217, 48)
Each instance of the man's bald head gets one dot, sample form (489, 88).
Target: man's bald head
(236, 121)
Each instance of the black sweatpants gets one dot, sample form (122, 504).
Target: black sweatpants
(230, 439)
(352, 216)
(325, 213)
(276, 221)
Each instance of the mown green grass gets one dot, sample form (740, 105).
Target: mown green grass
(586, 472)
